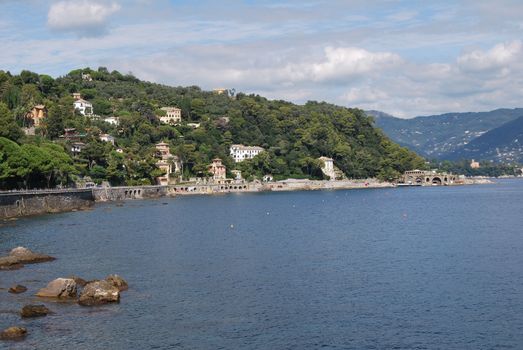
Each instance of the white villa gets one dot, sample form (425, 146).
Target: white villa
(173, 115)
(83, 106)
(112, 120)
(328, 167)
(240, 152)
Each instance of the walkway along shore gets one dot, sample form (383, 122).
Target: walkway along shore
(14, 204)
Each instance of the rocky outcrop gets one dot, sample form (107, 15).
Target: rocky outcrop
(34, 311)
(26, 256)
(117, 282)
(20, 256)
(10, 263)
(99, 293)
(60, 288)
(79, 281)
(13, 333)
(17, 289)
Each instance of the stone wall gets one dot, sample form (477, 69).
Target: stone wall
(27, 203)
(109, 194)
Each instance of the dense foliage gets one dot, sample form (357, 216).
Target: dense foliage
(487, 168)
(294, 136)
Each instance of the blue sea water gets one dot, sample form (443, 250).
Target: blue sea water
(406, 268)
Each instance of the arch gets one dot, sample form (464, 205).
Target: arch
(436, 181)
(419, 180)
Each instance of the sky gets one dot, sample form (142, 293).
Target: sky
(403, 57)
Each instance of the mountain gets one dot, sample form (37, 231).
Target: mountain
(504, 143)
(440, 136)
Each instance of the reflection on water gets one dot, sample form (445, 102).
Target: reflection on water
(402, 268)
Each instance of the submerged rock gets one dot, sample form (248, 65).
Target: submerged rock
(17, 289)
(34, 311)
(13, 333)
(26, 256)
(117, 282)
(10, 263)
(61, 288)
(99, 293)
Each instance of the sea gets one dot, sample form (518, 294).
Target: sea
(399, 268)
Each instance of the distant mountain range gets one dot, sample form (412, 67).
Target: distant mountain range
(496, 135)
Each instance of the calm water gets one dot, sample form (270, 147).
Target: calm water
(410, 268)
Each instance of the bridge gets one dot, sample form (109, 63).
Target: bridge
(428, 178)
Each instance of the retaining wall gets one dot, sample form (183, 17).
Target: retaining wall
(27, 203)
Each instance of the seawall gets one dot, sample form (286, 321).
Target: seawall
(112, 194)
(28, 203)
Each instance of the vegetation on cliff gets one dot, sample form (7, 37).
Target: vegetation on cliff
(294, 136)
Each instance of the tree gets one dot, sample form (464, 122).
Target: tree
(8, 126)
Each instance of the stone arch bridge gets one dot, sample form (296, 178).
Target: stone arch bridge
(428, 178)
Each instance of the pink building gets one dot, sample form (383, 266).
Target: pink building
(217, 169)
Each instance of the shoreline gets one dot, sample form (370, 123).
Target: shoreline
(17, 204)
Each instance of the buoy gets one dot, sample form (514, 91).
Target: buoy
(267, 213)
(232, 226)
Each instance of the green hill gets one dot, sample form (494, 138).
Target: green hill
(294, 136)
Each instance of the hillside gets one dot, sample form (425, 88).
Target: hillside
(293, 136)
(504, 143)
(438, 136)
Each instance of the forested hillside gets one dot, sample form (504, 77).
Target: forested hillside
(294, 136)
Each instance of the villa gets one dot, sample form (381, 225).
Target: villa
(240, 152)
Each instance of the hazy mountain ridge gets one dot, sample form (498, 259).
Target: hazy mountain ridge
(447, 136)
(504, 143)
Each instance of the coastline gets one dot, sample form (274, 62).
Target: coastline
(16, 204)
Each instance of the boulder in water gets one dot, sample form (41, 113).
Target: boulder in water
(79, 281)
(99, 293)
(17, 289)
(117, 282)
(10, 263)
(13, 333)
(61, 288)
(26, 256)
(34, 311)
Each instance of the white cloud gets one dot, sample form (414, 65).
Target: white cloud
(343, 62)
(499, 57)
(83, 17)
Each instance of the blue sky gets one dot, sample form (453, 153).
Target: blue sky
(406, 58)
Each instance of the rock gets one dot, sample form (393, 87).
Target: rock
(10, 263)
(117, 282)
(26, 256)
(62, 288)
(98, 293)
(79, 281)
(34, 311)
(17, 289)
(13, 333)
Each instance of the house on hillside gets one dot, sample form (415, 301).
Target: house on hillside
(173, 115)
(36, 115)
(112, 120)
(240, 152)
(168, 162)
(83, 106)
(107, 138)
(474, 164)
(217, 169)
(328, 167)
